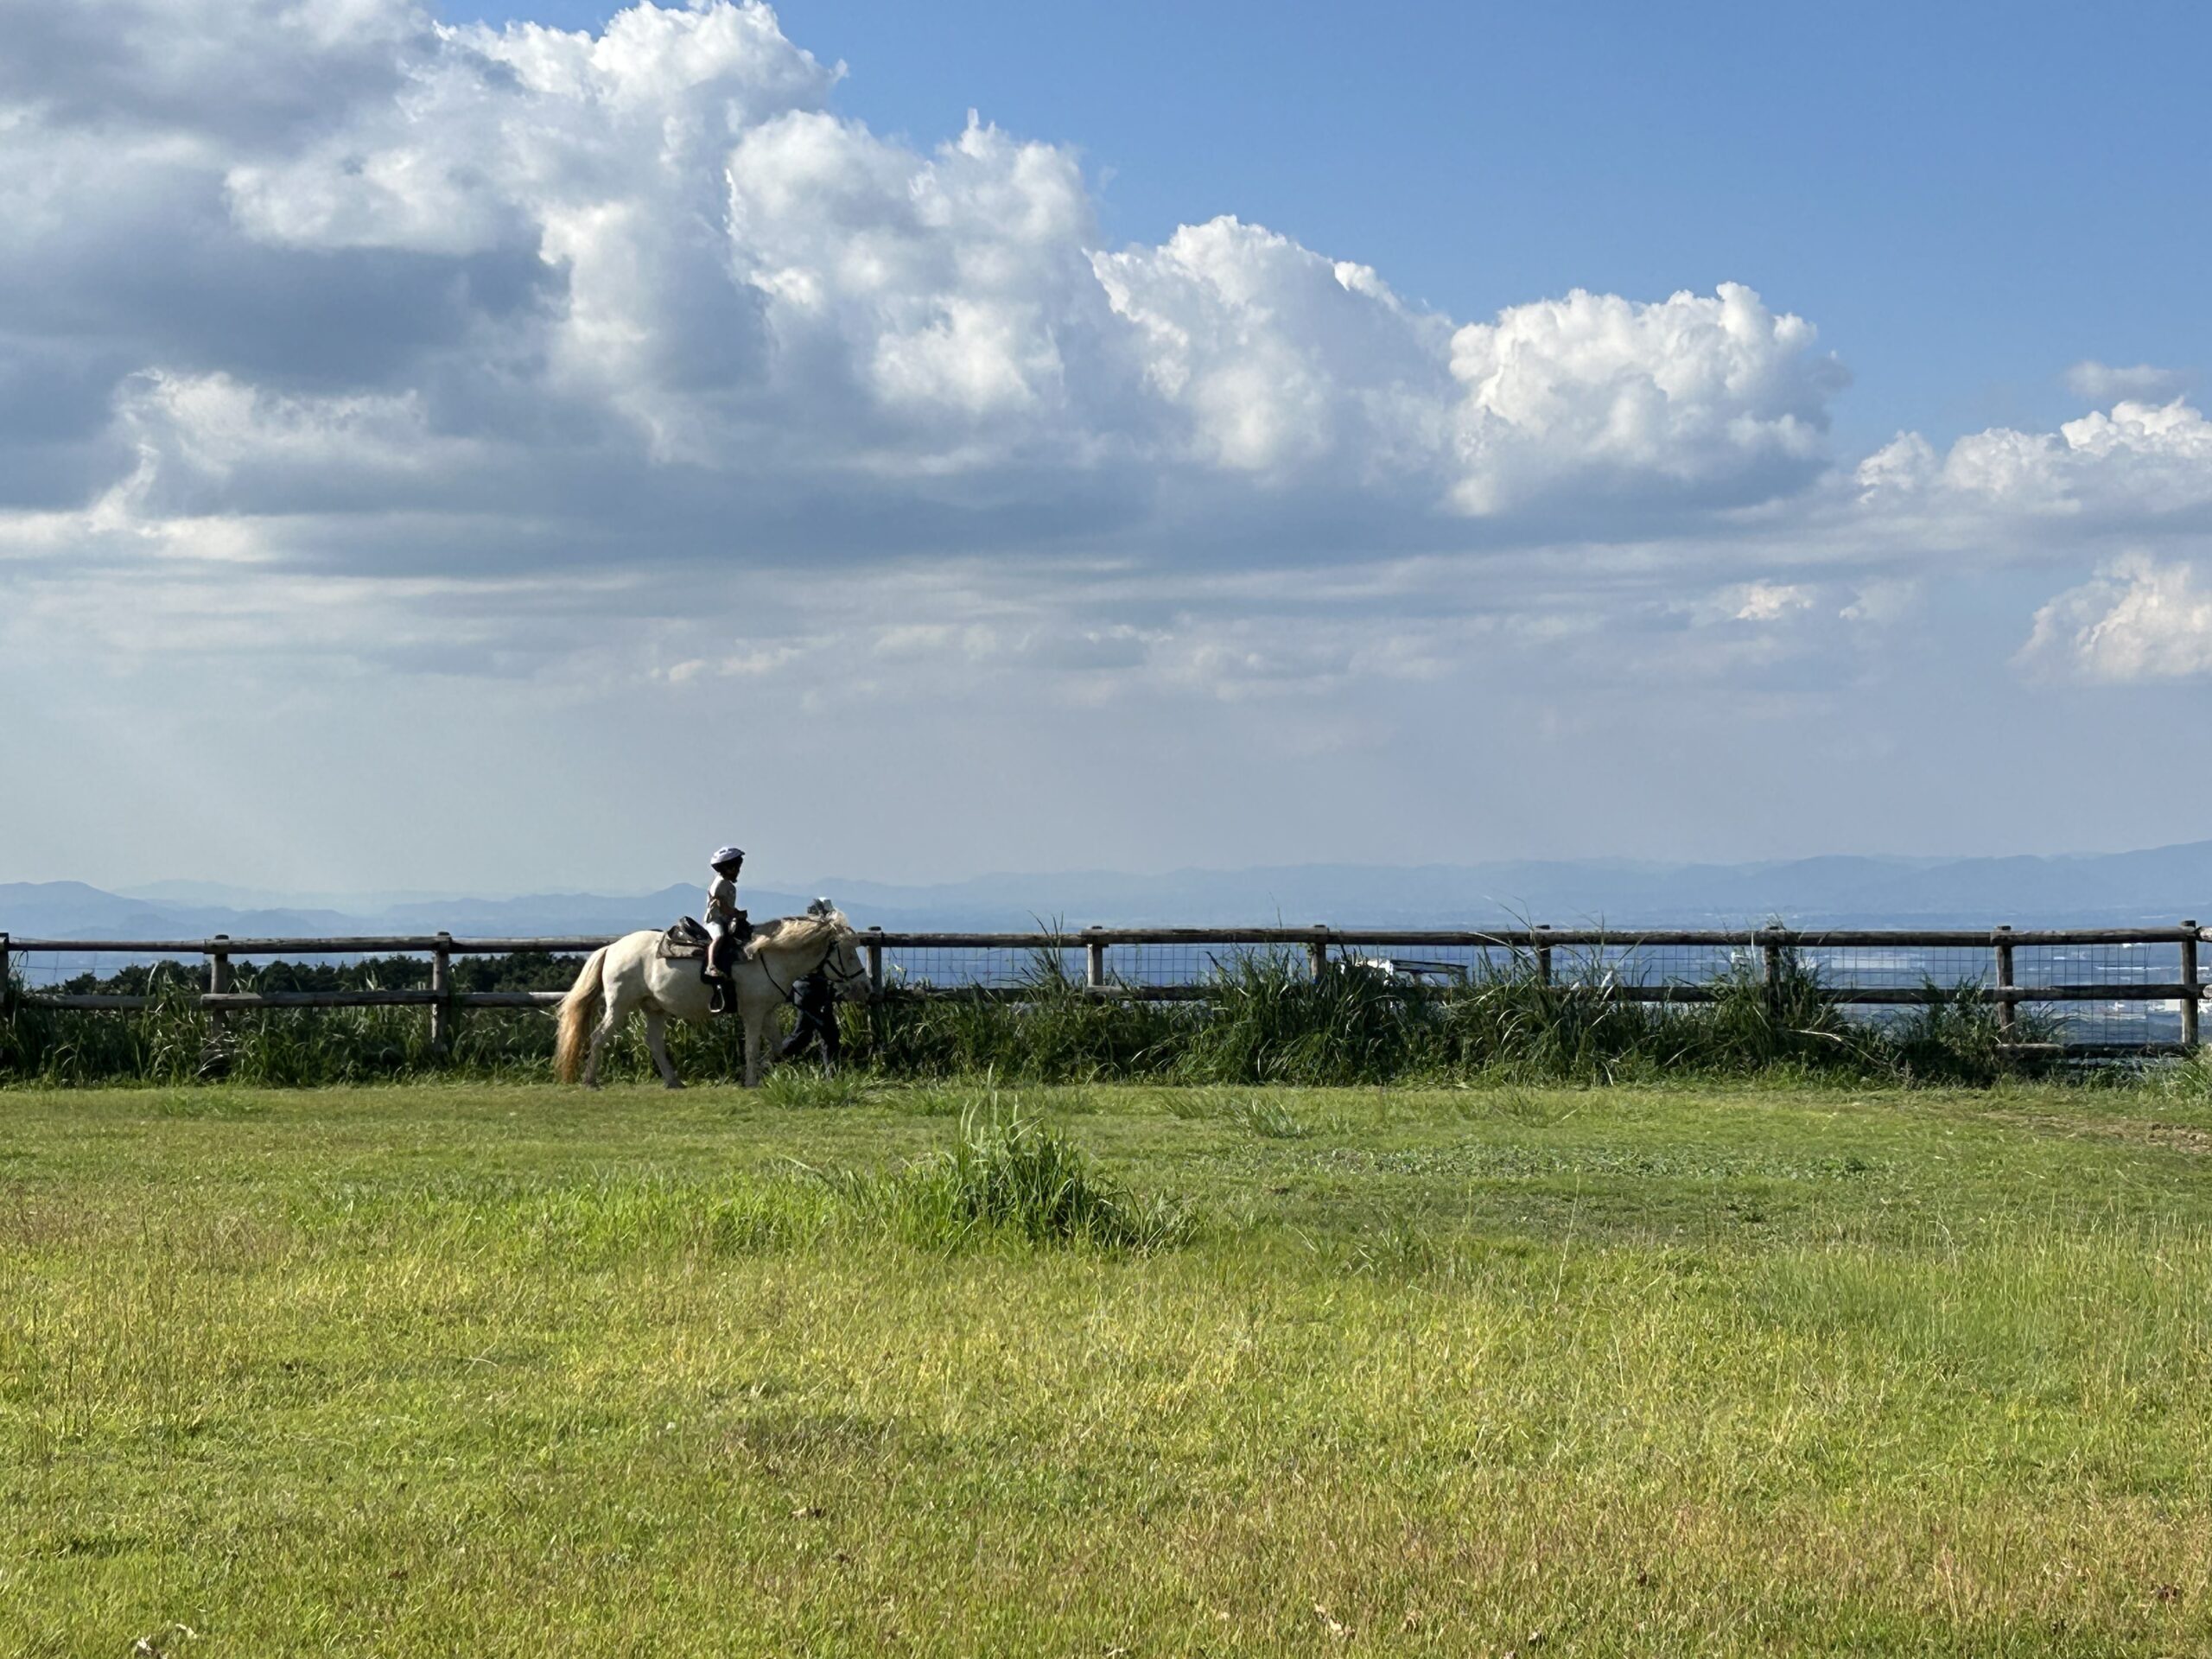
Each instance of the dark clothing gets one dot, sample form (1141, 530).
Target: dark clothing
(817, 1020)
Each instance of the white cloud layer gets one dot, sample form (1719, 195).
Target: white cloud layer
(331, 333)
(661, 243)
(652, 282)
(2102, 383)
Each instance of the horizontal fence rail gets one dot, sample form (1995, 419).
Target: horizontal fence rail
(2132, 968)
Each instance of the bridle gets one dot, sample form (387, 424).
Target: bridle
(840, 977)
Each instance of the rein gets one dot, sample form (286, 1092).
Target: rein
(839, 976)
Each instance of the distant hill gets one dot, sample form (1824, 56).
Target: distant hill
(2160, 884)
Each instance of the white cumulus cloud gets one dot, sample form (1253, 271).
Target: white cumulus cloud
(2134, 460)
(2138, 620)
(1693, 391)
(1273, 357)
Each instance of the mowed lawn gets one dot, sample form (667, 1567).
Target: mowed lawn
(475, 1369)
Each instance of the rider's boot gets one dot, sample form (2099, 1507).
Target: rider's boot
(722, 983)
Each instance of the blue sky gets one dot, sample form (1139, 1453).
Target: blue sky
(521, 454)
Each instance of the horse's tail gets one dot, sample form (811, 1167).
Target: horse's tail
(579, 1012)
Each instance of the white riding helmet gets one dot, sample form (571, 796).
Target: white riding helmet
(727, 855)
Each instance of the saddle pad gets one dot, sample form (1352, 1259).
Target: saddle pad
(683, 942)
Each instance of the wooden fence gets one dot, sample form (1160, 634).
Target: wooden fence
(1536, 950)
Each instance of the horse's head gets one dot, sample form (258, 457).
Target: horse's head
(845, 965)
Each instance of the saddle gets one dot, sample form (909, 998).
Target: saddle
(687, 941)
(684, 941)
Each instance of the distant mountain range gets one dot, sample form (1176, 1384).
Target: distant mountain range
(2161, 885)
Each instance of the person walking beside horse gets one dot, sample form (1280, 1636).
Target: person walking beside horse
(816, 1000)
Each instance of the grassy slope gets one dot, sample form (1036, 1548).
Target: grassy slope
(502, 1368)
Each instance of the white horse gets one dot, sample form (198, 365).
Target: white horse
(620, 978)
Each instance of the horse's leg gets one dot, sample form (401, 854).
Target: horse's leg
(608, 1023)
(657, 1040)
(621, 1002)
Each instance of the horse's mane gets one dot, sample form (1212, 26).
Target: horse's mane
(792, 930)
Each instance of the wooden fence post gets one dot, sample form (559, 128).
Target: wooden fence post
(1543, 956)
(218, 983)
(442, 987)
(2007, 1009)
(2188, 1002)
(1770, 970)
(1318, 951)
(872, 949)
(1094, 963)
(7, 980)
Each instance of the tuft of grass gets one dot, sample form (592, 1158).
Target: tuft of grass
(1010, 1176)
(1270, 1120)
(804, 1088)
(1398, 1249)
(933, 1100)
(1516, 1104)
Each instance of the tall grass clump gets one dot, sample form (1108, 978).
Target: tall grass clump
(1755, 1022)
(1582, 1027)
(1047, 1028)
(1008, 1177)
(1955, 1037)
(166, 1044)
(1525, 1025)
(1272, 1020)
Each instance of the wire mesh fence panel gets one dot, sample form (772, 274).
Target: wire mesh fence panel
(1656, 966)
(1901, 967)
(1186, 965)
(2101, 1020)
(84, 970)
(960, 967)
(1442, 965)
(51, 969)
(534, 970)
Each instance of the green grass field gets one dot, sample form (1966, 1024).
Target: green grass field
(505, 1368)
